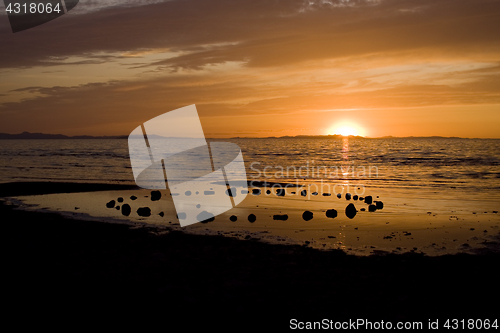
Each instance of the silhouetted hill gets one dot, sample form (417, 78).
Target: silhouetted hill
(338, 136)
(42, 136)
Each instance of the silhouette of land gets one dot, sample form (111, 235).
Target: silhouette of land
(42, 136)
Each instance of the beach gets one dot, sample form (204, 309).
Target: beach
(83, 264)
(279, 214)
(393, 229)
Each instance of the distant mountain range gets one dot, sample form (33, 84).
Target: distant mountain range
(338, 136)
(42, 136)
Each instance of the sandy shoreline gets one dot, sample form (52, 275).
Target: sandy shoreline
(192, 276)
(418, 224)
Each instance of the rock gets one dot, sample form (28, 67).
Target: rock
(205, 217)
(368, 199)
(155, 195)
(252, 218)
(307, 215)
(181, 216)
(331, 213)
(133, 198)
(117, 207)
(355, 197)
(280, 192)
(372, 208)
(303, 193)
(362, 209)
(379, 204)
(280, 217)
(161, 214)
(361, 198)
(339, 195)
(348, 196)
(126, 210)
(233, 218)
(314, 193)
(350, 211)
(327, 194)
(256, 191)
(120, 199)
(268, 192)
(144, 211)
(111, 204)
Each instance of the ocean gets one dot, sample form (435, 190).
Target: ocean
(438, 164)
(436, 195)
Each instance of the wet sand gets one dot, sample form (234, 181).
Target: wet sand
(350, 223)
(88, 267)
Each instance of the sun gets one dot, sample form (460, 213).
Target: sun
(346, 129)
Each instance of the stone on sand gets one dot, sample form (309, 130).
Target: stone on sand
(155, 195)
(307, 215)
(331, 213)
(144, 211)
(350, 211)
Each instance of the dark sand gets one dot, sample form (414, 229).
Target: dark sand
(59, 269)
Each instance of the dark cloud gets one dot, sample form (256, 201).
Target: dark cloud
(28, 89)
(264, 33)
(279, 40)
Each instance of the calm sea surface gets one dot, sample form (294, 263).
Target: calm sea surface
(440, 195)
(471, 165)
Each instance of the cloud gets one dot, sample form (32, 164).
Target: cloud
(117, 107)
(246, 58)
(262, 33)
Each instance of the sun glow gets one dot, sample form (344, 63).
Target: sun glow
(346, 129)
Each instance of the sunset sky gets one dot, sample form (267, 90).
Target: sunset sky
(258, 67)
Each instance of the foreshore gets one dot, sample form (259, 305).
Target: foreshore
(187, 277)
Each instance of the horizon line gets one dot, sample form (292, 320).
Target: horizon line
(6, 136)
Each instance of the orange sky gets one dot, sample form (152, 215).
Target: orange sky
(258, 67)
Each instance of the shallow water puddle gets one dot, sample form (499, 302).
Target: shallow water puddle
(406, 222)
